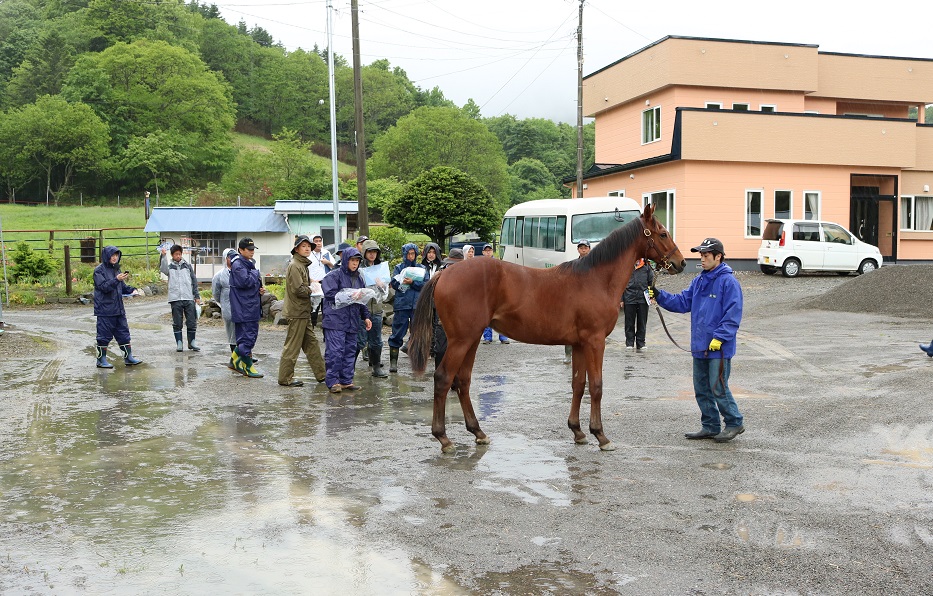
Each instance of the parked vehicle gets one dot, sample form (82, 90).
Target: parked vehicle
(545, 233)
(795, 245)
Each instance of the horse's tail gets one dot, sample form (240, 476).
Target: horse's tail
(422, 328)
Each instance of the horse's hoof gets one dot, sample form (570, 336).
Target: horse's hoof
(450, 448)
(608, 447)
(483, 441)
(583, 441)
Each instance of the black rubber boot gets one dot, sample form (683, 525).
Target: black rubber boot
(393, 359)
(128, 358)
(102, 358)
(179, 347)
(375, 360)
(191, 345)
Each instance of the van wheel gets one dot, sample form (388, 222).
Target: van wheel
(867, 266)
(768, 269)
(791, 268)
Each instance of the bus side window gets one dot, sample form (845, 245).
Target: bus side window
(519, 231)
(561, 233)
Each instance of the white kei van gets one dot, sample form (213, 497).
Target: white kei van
(795, 245)
(545, 233)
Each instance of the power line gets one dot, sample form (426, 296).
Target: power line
(528, 86)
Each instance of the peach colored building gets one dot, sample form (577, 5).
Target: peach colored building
(723, 134)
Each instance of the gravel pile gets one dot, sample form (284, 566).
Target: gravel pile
(903, 291)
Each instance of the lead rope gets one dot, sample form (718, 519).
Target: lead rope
(722, 363)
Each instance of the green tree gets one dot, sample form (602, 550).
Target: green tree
(387, 96)
(471, 110)
(58, 138)
(530, 179)
(442, 202)
(42, 71)
(147, 87)
(251, 176)
(156, 154)
(30, 265)
(431, 137)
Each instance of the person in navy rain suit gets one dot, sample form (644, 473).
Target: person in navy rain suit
(109, 289)
(245, 307)
(341, 325)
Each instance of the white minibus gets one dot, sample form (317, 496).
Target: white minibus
(545, 233)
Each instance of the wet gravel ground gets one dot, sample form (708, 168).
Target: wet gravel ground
(180, 477)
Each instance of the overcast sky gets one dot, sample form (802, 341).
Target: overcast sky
(519, 56)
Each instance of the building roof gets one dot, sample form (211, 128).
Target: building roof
(216, 219)
(315, 207)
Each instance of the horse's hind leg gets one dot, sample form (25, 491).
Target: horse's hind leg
(464, 378)
(443, 378)
(578, 383)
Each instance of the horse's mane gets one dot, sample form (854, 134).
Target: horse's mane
(608, 250)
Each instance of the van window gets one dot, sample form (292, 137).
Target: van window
(836, 234)
(773, 230)
(596, 226)
(508, 231)
(807, 232)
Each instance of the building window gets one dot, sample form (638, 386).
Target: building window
(741, 107)
(753, 213)
(616, 193)
(651, 125)
(771, 108)
(917, 213)
(783, 204)
(663, 202)
(713, 105)
(208, 247)
(811, 204)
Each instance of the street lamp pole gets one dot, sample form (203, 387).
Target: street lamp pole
(333, 121)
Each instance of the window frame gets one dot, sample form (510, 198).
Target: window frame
(761, 217)
(656, 124)
(819, 205)
(772, 108)
(912, 212)
(670, 207)
(748, 106)
(790, 207)
(616, 193)
(713, 105)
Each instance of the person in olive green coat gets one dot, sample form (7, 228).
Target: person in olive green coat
(300, 334)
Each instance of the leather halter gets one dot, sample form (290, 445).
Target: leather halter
(664, 260)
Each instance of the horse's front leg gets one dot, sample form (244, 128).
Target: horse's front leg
(578, 384)
(464, 378)
(594, 368)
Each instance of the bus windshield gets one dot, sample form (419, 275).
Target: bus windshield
(596, 226)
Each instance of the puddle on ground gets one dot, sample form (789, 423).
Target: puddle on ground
(525, 470)
(548, 578)
(878, 369)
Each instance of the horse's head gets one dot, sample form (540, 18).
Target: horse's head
(661, 247)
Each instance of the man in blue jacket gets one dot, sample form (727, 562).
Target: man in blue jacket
(109, 289)
(714, 301)
(245, 289)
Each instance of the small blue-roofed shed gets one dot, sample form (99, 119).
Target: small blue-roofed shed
(317, 217)
(204, 233)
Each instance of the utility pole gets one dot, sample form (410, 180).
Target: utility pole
(363, 206)
(580, 104)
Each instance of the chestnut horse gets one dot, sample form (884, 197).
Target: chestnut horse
(575, 303)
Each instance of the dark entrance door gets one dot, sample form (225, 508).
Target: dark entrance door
(872, 218)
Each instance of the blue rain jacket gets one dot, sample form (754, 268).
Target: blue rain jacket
(108, 290)
(245, 282)
(347, 318)
(406, 300)
(714, 301)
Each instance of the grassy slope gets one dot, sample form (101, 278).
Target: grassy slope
(21, 217)
(243, 141)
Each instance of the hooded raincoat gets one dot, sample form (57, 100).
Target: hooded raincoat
(714, 301)
(245, 282)
(108, 290)
(406, 300)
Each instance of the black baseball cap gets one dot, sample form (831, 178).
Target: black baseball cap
(247, 243)
(485, 246)
(584, 242)
(709, 245)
